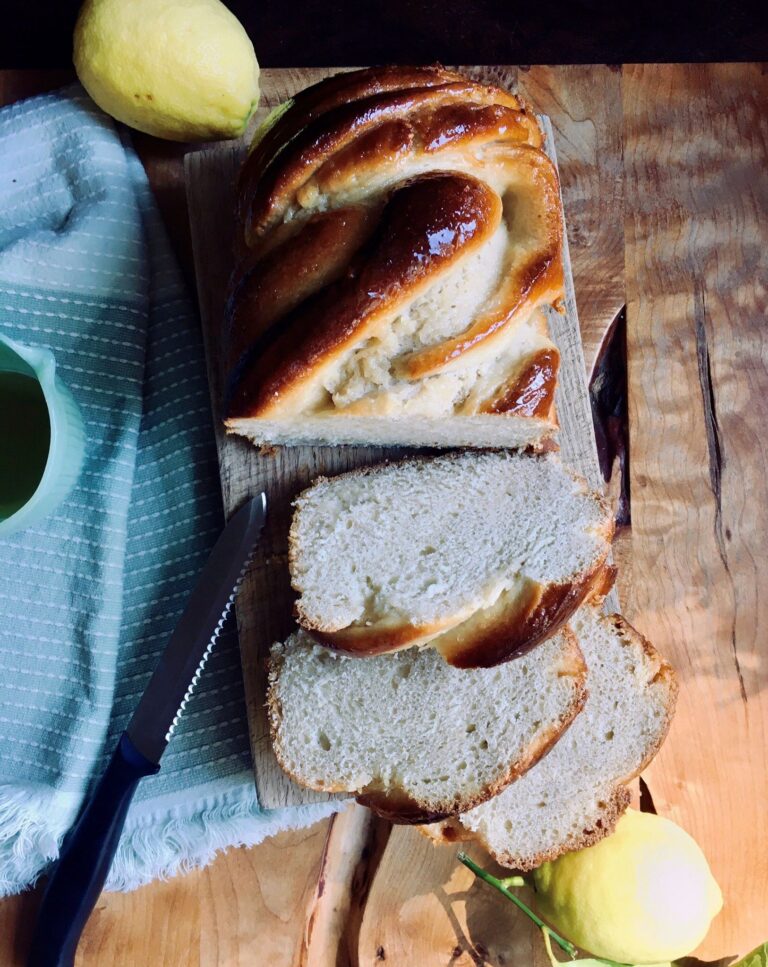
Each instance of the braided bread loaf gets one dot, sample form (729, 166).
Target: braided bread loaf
(398, 230)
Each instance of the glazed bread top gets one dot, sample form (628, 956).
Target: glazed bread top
(397, 228)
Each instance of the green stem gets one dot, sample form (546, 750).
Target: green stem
(509, 881)
(565, 945)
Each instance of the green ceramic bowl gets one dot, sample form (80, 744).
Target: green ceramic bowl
(67, 435)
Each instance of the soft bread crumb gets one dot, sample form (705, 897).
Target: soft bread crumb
(410, 726)
(430, 542)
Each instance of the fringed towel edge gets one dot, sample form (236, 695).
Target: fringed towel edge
(181, 832)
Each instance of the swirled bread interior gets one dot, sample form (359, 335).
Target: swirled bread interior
(482, 555)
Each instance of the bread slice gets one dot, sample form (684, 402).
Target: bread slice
(413, 738)
(575, 795)
(490, 551)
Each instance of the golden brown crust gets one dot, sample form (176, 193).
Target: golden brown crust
(298, 307)
(293, 271)
(398, 806)
(603, 587)
(369, 640)
(330, 93)
(516, 623)
(534, 281)
(272, 187)
(531, 391)
(519, 620)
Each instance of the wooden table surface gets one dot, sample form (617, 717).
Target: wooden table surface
(664, 172)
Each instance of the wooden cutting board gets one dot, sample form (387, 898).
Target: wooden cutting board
(264, 604)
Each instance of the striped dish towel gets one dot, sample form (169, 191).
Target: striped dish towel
(89, 597)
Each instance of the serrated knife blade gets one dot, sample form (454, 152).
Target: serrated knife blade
(86, 854)
(179, 668)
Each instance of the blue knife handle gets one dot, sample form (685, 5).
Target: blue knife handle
(86, 856)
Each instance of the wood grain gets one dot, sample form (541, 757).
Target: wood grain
(264, 605)
(425, 908)
(696, 160)
(584, 105)
(248, 907)
(355, 844)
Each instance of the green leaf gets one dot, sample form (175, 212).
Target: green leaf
(757, 958)
(269, 122)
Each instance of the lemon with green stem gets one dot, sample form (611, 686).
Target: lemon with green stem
(179, 69)
(642, 895)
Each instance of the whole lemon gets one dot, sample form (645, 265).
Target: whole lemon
(178, 69)
(643, 895)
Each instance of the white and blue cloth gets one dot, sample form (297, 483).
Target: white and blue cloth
(89, 597)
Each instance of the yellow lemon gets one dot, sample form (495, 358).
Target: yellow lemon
(643, 895)
(178, 69)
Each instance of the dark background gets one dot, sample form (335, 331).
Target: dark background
(316, 33)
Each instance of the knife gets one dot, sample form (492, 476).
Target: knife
(86, 853)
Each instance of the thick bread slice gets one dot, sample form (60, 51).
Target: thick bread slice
(575, 795)
(490, 551)
(412, 737)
